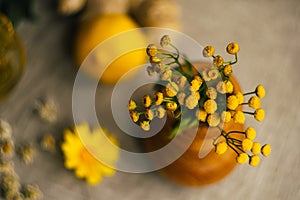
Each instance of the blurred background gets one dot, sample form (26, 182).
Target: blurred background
(268, 34)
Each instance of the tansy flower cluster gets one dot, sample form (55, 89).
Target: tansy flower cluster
(207, 92)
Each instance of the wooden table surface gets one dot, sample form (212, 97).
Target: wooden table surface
(269, 35)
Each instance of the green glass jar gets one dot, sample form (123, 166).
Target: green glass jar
(12, 57)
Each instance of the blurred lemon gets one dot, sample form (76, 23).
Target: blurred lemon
(119, 50)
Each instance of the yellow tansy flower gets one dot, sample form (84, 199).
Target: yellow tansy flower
(213, 74)
(213, 120)
(266, 150)
(145, 125)
(218, 61)
(160, 112)
(259, 114)
(195, 84)
(149, 114)
(228, 87)
(191, 101)
(240, 97)
(232, 102)
(250, 133)
(147, 101)
(208, 51)
(171, 89)
(226, 116)
(211, 93)
(227, 70)
(166, 74)
(239, 117)
(210, 106)
(201, 115)
(171, 106)
(247, 144)
(131, 105)
(242, 158)
(221, 87)
(256, 148)
(151, 50)
(158, 98)
(232, 48)
(254, 102)
(221, 148)
(182, 82)
(254, 160)
(81, 149)
(134, 116)
(260, 91)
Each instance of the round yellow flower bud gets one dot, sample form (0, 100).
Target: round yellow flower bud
(242, 158)
(266, 150)
(254, 102)
(260, 91)
(239, 117)
(226, 116)
(208, 51)
(149, 114)
(195, 84)
(201, 115)
(158, 98)
(232, 102)
(151, 50)
(191, 101)
(221, 87)
(232, 48)
(171, 106)
(240, 97)
(145, 125)
(250, 133)
(154, 59)
(210, 106)
(213, 74)
(160, 112)
(211, 93)
(229, 87)
(227, 70)
(171, 89)
(147, 101)
(134, 116)
(221, 148)
(247, 144)
(218, 61)
(259, 114)
(213, 120)
(131, 105)
(254, 160)
(256, 148)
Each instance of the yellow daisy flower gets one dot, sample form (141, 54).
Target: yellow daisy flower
(254, 102)
(145, 125)
(149, 114)
(242, 158)
(227, 70)
(232, 102)
(221, 148)
(247, 144)
(266, 150)
(213, 120)
(147, 101)
(208, 51)
(259, 114)
(254, 160)
(171, 106)
(256, 148)
(218, 61)
(201, 115)
(232, 48)
(239, 117)
(81, 149)
(228, 87)
(250, 133)
(260, 91)
(134, 116)
(158, 98)
(210, 106)
(131, 105)
(240, 97)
